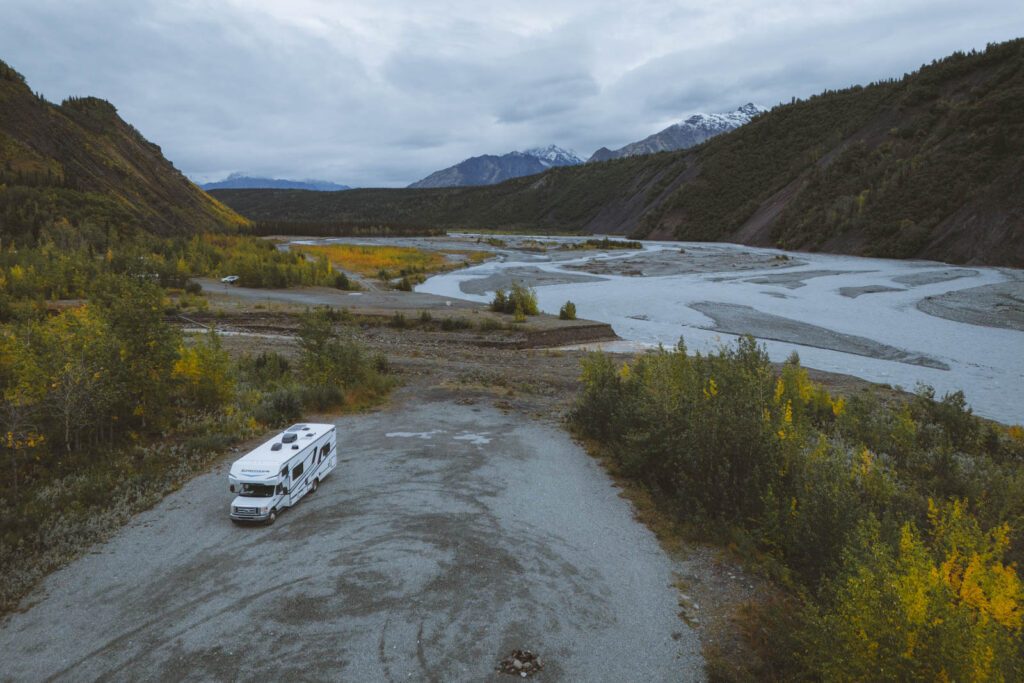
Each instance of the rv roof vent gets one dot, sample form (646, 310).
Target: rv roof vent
(296, 428)
(307, 436)
(289, 438)
(295, 446)
(276, 446)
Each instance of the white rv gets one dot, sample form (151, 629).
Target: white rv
(280, 472)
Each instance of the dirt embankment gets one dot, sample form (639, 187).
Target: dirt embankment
(462, 321)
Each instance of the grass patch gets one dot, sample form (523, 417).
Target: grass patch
(372, 261)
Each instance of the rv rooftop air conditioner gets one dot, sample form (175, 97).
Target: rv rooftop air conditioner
(289, 437)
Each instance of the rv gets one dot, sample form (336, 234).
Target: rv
(277, 474)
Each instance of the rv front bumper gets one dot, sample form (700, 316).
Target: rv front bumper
(242, 514)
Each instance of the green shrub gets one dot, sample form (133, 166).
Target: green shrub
(279, 407)
(341, 281)
(193, 287)
(264, 370)
(453, 324)
(209, 443)
(568, 311)
(520, 296)
(489, 325)
(499, 303)
(321, 398)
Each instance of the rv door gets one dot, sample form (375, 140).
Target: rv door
(285, 487)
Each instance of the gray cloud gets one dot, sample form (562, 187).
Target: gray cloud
(382, 93)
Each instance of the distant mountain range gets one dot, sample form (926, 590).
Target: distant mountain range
(685, 134)
(490, 169)
(240, 181)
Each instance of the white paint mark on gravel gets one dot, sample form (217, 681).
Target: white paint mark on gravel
(414, 435)
(475, 439)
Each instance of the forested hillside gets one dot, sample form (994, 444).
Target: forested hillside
(78, 169)
(930, 165)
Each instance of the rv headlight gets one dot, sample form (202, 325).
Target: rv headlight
(264, 511)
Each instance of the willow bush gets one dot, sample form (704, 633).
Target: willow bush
(838, 491)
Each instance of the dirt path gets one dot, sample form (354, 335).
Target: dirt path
(451, 533)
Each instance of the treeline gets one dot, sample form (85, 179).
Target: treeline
(564, 199)
(256, 262)
(65, 267)
(896, 526)
(342, 229)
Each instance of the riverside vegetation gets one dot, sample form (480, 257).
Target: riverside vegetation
(410, 264)
(894, 528)
(106, 406)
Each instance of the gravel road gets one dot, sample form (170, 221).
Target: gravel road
(450, 534)
(326, 296)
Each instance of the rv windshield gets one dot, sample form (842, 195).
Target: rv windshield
(257, 490)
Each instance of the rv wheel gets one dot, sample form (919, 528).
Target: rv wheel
(314, 485)
(272, 517)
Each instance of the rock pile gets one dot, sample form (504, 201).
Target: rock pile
(522, 663)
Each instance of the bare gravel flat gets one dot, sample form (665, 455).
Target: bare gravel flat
(999, 305)
(451, 533)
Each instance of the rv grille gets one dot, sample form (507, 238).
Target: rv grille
(246, 512)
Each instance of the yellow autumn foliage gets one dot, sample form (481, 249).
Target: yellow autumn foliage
(204, 373)
(368, 261)
(941, 606)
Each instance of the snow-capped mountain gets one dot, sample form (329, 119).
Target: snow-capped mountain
(491, 169)
(553, 155)
(688, 133)
(239, 181)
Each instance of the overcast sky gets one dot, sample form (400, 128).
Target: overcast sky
(383, 92)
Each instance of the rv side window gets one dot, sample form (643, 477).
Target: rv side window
(297, 472)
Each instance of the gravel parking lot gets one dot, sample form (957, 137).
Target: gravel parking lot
(451, 534)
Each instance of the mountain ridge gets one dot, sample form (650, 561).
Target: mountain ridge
(688, 133)
(78, 166)
(489, 169)
(241, 181)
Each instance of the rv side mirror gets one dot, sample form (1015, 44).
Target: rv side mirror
(281, 489)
